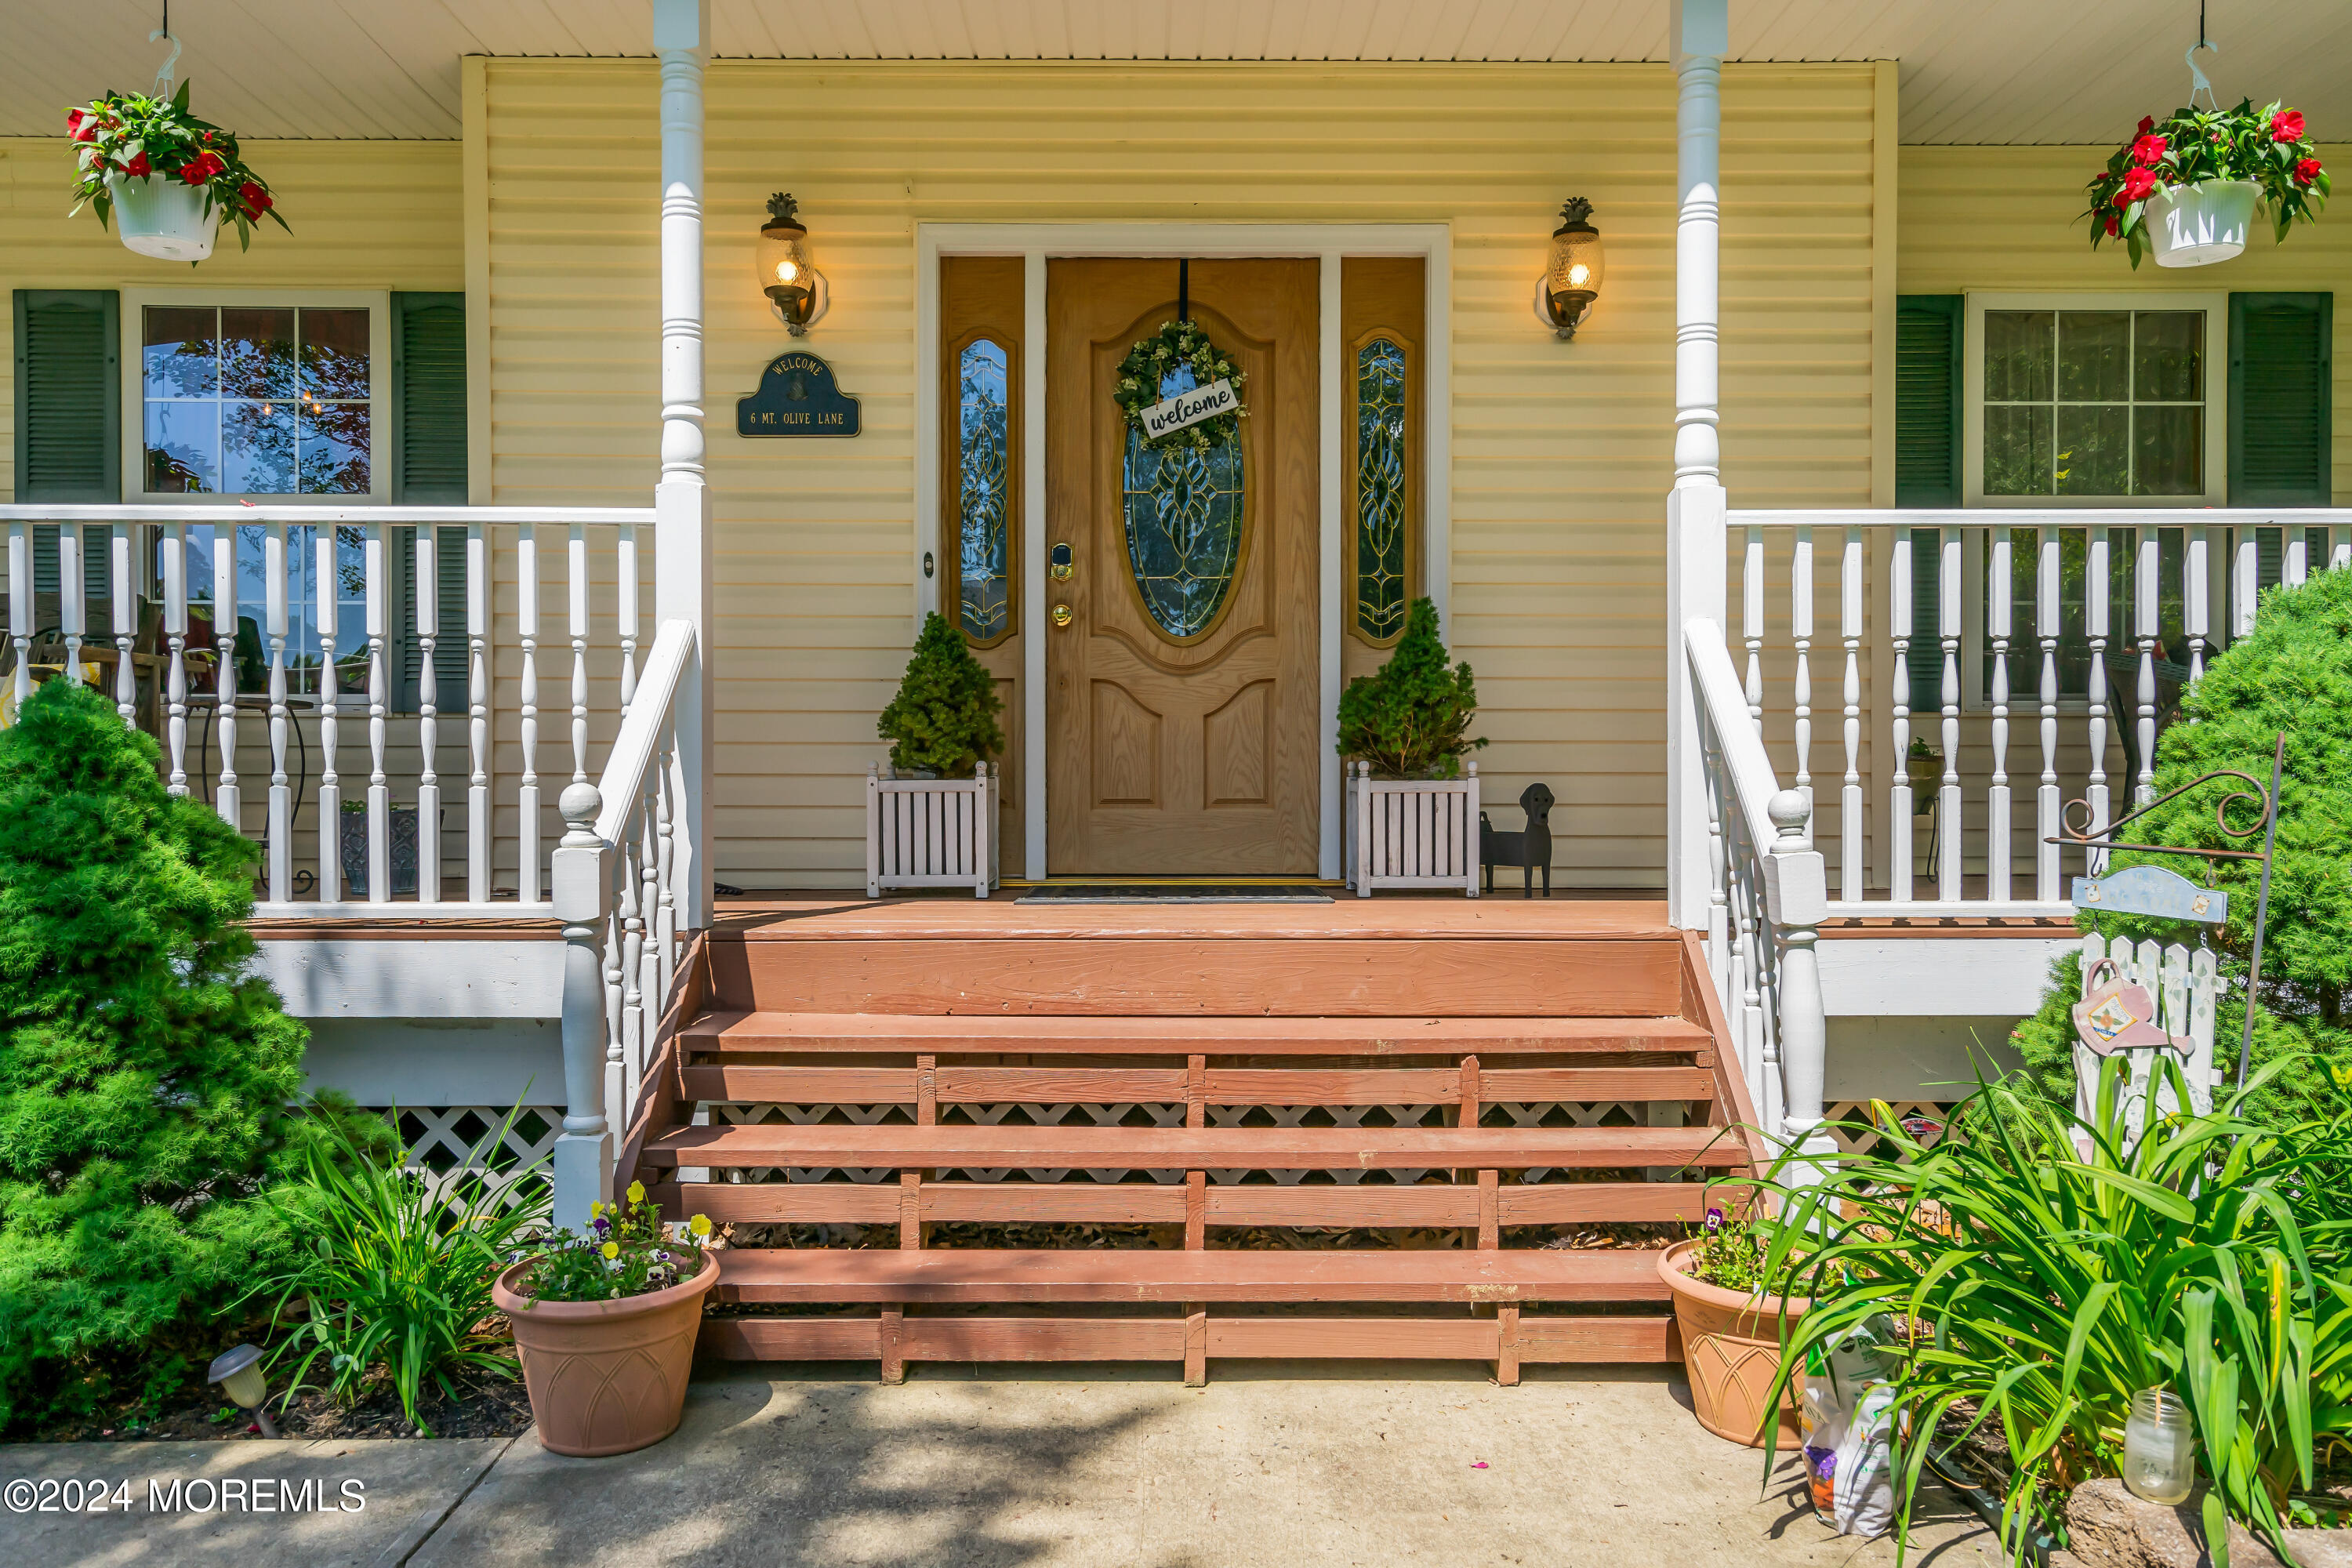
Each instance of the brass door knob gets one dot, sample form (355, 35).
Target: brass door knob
(1061, 614)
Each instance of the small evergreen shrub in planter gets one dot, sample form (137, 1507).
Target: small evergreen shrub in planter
(1412, 798)
(943, 719)
(933, 824)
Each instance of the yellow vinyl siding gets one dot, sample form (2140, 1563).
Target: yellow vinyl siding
(1561, 452)
(2006, 219)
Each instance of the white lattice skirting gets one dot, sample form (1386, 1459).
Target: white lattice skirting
(444, 1142)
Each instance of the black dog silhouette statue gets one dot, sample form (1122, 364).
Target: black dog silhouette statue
(1527, 849)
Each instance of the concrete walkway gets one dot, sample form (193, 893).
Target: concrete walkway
(1349, 1464)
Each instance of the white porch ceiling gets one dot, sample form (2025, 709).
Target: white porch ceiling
(1974, 72)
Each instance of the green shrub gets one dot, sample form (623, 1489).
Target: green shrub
(944, 716)
(2046, 1286)
(1411, 720)
(398, 1269)
(2294, 673)
(144, 1077)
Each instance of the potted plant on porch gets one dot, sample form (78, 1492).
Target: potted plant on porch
(168, 178)
(2185, 188)
(1731, 1329)
(1412, 805)
(932, 824)
(605, 1322)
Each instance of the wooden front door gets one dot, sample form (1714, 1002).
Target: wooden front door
(1182, 702)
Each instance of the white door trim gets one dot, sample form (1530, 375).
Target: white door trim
(1328, 243)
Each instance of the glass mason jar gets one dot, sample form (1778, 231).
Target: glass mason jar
(2159, 1446)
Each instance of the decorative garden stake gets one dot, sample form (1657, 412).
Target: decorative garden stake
(2101, 1018)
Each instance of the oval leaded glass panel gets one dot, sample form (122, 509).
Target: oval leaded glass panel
(1381, 490)
(1182, 507)
(983, 554)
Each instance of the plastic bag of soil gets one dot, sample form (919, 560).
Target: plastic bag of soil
(1847, 1416)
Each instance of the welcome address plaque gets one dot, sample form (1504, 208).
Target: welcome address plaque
(797, 396)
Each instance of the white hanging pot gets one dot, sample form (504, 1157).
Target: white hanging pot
(164, 217)
(2196, 225)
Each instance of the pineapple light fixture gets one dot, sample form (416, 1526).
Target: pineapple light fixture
(795, 291)
(1570, 286)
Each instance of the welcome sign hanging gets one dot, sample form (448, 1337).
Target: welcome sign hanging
(1177, 387)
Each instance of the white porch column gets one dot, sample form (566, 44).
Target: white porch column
(681, 498)
(1796, 888)
(1695, 508)
(582, 893)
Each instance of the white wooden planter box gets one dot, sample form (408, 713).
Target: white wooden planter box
(931, 833)
(1413, 833)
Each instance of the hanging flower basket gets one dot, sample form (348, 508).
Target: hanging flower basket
(172, 179)
(2185, 189)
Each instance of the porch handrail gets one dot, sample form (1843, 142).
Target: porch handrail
(615, 879)
(313, 511)
(1768, 897)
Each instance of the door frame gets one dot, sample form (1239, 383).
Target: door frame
(1328, 244)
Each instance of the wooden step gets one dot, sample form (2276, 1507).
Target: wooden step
(1146, 1274)
(1050, 1085)
(955, 1145)
(1383, 976)
(1420, 1205)
(1373, 1036)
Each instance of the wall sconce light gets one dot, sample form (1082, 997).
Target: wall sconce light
(1570, 285)
(795, 291)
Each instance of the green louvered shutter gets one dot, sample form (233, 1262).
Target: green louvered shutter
(2280, 417)
(429, 468)
(1927, 382)
(69, 396)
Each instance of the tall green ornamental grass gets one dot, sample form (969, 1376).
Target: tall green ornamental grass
(2044, 1268)
(399, 1273)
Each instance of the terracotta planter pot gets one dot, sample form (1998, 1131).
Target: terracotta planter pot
(1731, 1349)
(606, 1377)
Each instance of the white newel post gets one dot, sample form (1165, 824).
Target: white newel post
(1695, 509)
(1796, 890)
(682, 588)
(584, 1151)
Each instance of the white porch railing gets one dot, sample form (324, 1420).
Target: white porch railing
(2053, 642)
(349, 631)
(616, 881)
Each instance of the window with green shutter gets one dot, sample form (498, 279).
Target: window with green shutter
(2280, 414)
(68, 396)
(1928, 330)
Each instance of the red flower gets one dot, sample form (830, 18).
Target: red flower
(2146, 124)
(253, 199)
(2114, 226)
(2286, 125)
(80, 125)
(2138, 185)
(2148, 149)
(138, 168)
(2306, 171)
(202, 168)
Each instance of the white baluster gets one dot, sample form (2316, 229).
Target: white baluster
(1999, 615)
(1718, 885)
(2094, 623)
(226, 797)
(328, 584)
(477, 714)
(123, 599)
(1901, 826)
(2147, 626)
(175, 636)
(2195, 596)
(1801, 632)
(624, 883)
(2048, 612)
(426, 578)
(1948, 813)
(2245, 582)
(1850, 589)
(379, 795)
(665, 851)
(72, 606)
(527, 880)
(631, 955)
(20, 613)
(281, 791)
(2340, 548)
(625, 596)
(645, 968)
(576, 563)
(2294, 565)
(1751, 622)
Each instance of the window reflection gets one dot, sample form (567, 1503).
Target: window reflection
(240, 400)
(983, 521)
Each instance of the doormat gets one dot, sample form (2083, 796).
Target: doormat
(1175, 893)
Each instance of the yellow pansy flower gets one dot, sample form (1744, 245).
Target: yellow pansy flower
(636, 1192)
(612, 1249)
(595, 1209)
(699, 1225)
